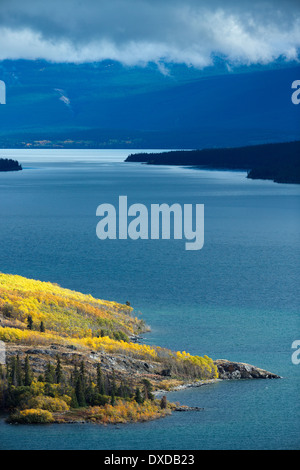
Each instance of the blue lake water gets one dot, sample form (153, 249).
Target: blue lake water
(237, 298)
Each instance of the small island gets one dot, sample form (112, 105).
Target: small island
(278, 162)
(7, 164)
(72, 358)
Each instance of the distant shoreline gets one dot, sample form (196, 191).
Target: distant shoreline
(278, 162)
(7, 164)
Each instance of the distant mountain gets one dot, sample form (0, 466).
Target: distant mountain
(106, 105)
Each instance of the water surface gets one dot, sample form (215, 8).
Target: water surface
(237, 298)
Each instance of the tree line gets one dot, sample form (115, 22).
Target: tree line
(7, 164)
(72, 389)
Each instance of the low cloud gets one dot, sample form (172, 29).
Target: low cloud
(136, 32)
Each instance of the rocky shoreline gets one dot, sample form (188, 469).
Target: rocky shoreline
(229, 370)
(125, 366)
(97, 371)
(135, 370)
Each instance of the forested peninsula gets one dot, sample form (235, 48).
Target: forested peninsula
(279, 162)
(67, 357)
(7, 164)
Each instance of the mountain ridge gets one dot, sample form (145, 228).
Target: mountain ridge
(107, 105)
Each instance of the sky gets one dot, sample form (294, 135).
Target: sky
(136, 32)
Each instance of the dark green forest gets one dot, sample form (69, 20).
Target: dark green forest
(7, 164)
(277, 162)
(29, 399)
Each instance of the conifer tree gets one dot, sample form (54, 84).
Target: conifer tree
(138, 396)
(90, 392)
(49, 373)
(100, 382)
(29, 322)
(74, 402)
(74, 376)
(58, 371)
(13, 375)
(121, 392)
(19, 378)
(113, 390)
(79, 390)
(148, 395)
(27, 373)
(82, 372)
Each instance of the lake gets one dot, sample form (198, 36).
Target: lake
(237, 298)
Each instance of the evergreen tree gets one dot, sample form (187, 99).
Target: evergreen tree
(100, 381)
(19, 378)
(49, 374)
(121, 392)
(29, 322)
(138, 396)
(74, 376)
(90, 392)
(80, 395)
(148, 395)
(124, 391)
(113, 389)
(13, 374)
(58, 371)
(82, 372)
(27, 373)
(42, 327)
(74, 402)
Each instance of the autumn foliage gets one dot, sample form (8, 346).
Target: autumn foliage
(73, 318)
(45, 314)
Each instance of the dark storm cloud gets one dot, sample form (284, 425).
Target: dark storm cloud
(139, 31)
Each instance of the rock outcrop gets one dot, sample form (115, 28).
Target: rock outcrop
(238, 370)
